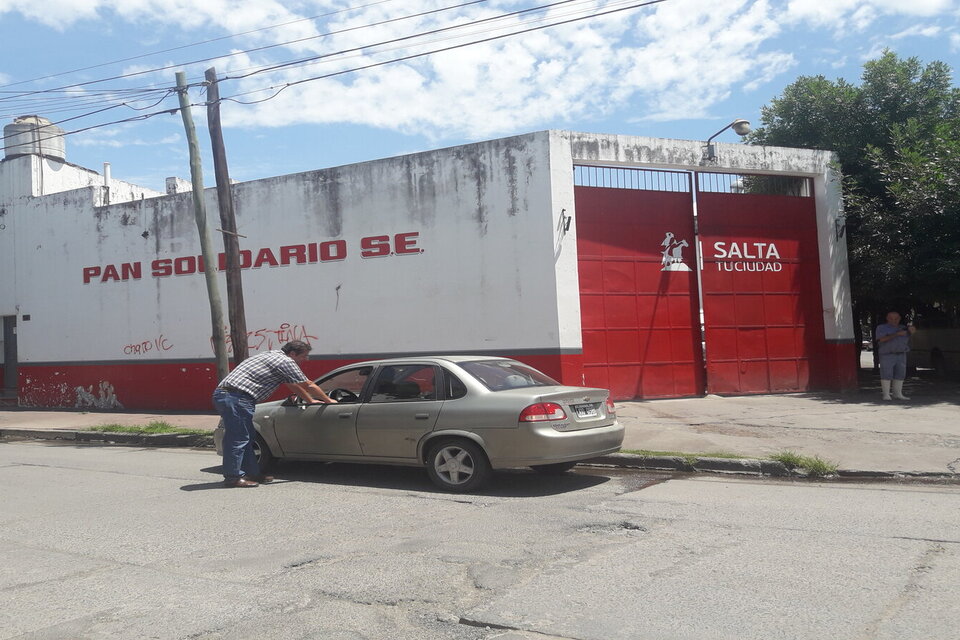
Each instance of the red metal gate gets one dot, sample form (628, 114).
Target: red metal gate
(763, 320)
(639, 299)
(638, 286)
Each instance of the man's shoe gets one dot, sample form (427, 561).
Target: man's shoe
(263, 479)
(239, 482)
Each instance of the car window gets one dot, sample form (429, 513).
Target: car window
(351, 380)
(404, 383)
(453, 386)
(498, 375)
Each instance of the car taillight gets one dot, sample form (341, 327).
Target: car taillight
(611, 408)
(542, 412)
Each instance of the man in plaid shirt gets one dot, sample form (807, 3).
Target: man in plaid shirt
(237, 395)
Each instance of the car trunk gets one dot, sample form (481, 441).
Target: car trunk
(585, 408)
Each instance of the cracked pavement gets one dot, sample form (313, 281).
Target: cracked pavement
(101, 542)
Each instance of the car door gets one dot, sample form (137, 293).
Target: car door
(324, 429)
(403, 405)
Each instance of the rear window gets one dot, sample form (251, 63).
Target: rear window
(498, 375)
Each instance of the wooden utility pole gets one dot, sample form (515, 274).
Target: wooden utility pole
(228, 222)
(200, 213)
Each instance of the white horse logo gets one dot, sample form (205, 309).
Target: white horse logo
(673, 253)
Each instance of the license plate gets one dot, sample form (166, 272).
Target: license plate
(585, 410)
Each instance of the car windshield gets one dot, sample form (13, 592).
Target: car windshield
(498, 375)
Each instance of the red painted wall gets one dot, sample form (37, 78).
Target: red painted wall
(182, 386)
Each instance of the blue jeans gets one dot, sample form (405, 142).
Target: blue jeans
(236, 409)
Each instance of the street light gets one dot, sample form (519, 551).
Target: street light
(741, 128)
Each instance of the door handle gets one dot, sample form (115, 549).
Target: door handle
(421, 416)
(344, 416)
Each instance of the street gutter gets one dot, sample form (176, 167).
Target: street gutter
(756, 467)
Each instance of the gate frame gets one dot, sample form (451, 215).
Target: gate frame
(569, 148)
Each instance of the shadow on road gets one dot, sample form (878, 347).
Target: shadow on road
(508, 483)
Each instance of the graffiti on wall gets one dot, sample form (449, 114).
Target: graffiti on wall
(160, 343)
(106, 397)
(35, 393)
(271, 338)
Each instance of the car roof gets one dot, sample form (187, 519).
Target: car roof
(456, 359)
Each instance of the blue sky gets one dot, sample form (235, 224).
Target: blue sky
(677, 68)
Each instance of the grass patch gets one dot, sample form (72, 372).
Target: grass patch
(815, 466)
(158, 426)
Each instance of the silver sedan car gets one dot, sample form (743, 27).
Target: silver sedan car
(460, 416)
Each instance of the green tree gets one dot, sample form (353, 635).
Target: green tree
(917, 218)
(896, 138)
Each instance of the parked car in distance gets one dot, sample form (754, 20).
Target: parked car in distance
(459, 416)
(935, 347)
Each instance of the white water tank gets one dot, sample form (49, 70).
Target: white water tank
(33, 135)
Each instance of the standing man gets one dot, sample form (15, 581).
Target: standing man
(893, 342)
(235, 399)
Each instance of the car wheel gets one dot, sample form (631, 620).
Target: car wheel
(457, 465)
(554, 469)
(265, 458)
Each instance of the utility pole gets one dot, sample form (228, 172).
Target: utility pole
(228, 222)
(200, 213)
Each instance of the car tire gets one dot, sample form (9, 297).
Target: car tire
(458, 465)
(265, 459)
(554, 469)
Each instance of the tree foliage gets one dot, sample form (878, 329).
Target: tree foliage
(896, 136)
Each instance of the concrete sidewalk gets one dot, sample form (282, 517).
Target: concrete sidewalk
(856, 431)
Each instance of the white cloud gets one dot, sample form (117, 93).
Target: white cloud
(931, 31)
(233, 15)
(119, 137)
(671, 61)
(676, 60)
(856, 15)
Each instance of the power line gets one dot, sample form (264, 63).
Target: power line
(196, 44)
(84, 115)
(280, 88)
(355, 69)
(40, 101)
(236, 53)
(403, 38)
(25, 100)
(340, 55)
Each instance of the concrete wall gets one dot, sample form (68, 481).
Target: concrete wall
(32, 176)
(467, 249)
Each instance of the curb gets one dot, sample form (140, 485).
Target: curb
(139, 439)
(680, 464)
(754, 467)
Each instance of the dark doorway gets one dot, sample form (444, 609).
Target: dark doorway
(8, 393)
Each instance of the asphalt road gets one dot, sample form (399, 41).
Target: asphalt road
(119, 542)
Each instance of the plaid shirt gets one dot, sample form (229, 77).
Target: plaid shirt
(260, 375)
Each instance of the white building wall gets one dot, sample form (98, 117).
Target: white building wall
(33, 175)
(483, 275)
(565, 242)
